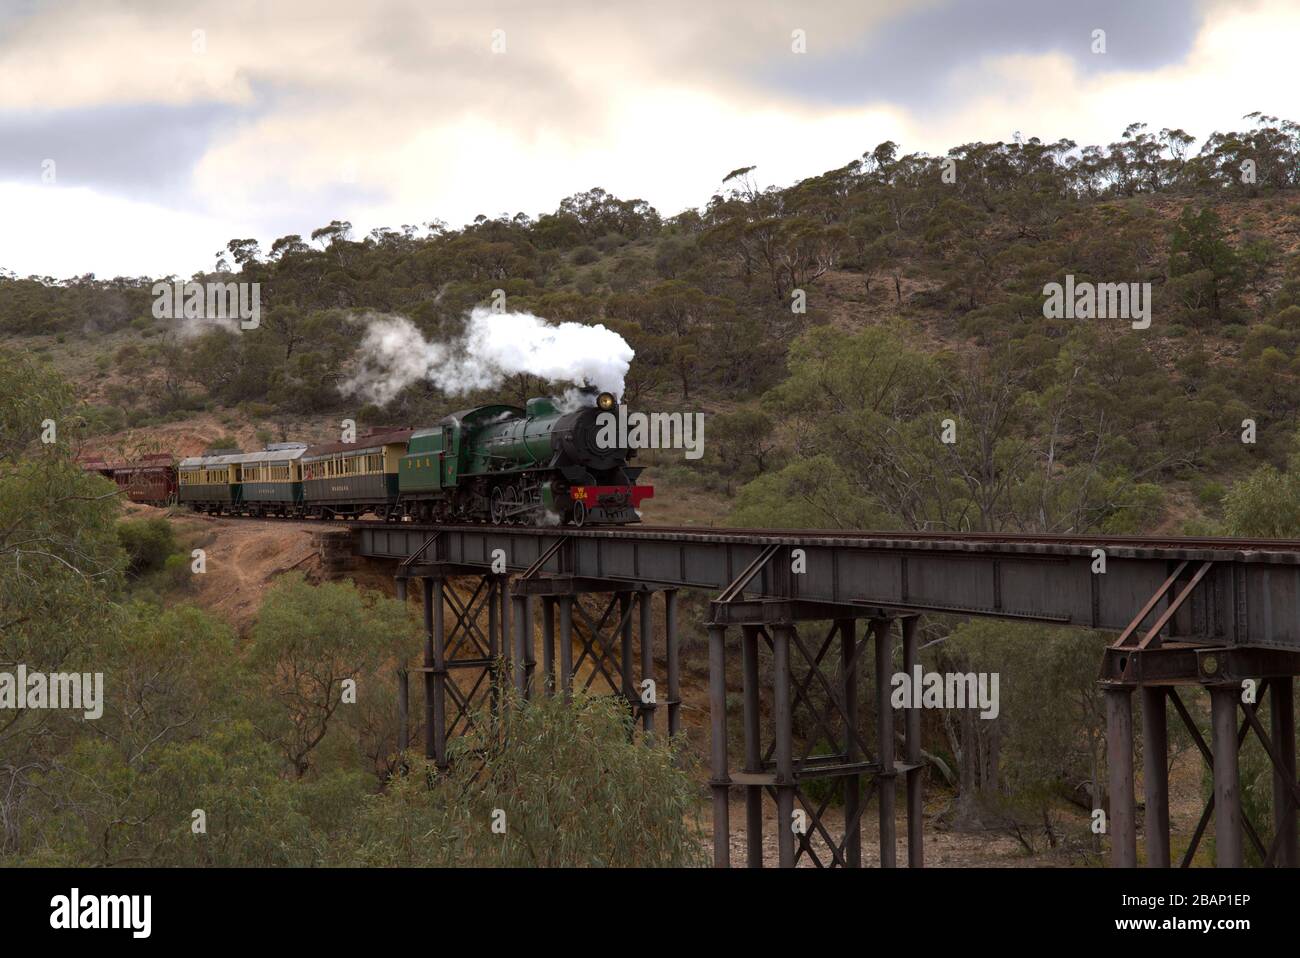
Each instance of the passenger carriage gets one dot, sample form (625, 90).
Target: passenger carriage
(349, 479)
(271, 480)
(149, 479)
(209, 483)
(264, 483)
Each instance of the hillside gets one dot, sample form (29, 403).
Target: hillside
(880, 262)
(872, 348)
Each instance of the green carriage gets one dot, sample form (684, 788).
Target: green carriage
(348, 479)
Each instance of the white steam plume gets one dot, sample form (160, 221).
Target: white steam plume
(394, 354)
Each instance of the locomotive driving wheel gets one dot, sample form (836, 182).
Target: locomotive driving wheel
(498, 506)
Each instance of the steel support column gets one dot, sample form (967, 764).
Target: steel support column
(912, 751)
(646, 631)
(495, 638)
(548, 644)
(403, 710)
(566, 646)
(1227, 786)
(1155, 775)
(530, 653)
(625, 648)
(783, 715)
(507, 634)
(1119, 765)
(852, 783)
(439, 674)
(718, 728)
(674, 663)
(883, 630)
(429, 751)
(522, 640)
(1282, 723)
(403, 685)
(753, 746)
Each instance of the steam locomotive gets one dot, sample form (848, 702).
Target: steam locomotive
(498, 463)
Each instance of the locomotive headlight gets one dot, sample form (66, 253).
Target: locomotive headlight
(605, 401)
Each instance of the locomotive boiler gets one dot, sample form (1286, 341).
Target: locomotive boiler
(534, 465)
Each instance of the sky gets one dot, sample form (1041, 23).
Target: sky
(137, 137)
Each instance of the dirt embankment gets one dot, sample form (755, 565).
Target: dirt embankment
(243, 559)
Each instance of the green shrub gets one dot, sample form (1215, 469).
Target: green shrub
(567, 784)
(221, 442)
(148, 543)
(177, 571)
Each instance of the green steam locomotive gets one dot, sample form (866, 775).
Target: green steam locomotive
(498, 463)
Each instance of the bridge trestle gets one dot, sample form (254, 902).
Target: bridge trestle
(610, 624)
(834, 758)
(1219, 615)
(1238, 682)
(459, 665)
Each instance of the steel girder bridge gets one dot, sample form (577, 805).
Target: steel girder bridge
(1216, 613)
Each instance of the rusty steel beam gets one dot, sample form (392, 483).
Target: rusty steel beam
(1119, 766)
(752, 724)
(674, 663)
(646, 633)
(912, 752)
(548, 644)
(403, 684)
(1282, 724)
(848, 629)
(885, 788)
(566, 645)
(522, 640)
(430, 751)
(782, 721)
(625, 648)
(1228, 850)
(433, 593)
(1155, 775)
(1249, 597)
(720, 780)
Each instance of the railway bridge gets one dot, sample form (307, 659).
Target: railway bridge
(1222, 614)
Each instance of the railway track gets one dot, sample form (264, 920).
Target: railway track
(965, 540)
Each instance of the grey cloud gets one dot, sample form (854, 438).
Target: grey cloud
(909, 58)
(138, 150)
(148, 152)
